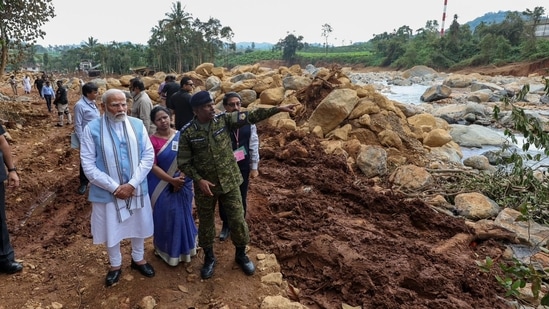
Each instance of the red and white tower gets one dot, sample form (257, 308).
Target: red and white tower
(443, 19)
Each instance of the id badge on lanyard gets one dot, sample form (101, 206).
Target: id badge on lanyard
(239, 153)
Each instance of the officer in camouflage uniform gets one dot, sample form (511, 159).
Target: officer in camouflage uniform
(205, 154)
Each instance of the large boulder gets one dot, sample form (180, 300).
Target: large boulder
(333, 109)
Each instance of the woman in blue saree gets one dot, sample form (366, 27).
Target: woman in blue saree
(171, 195)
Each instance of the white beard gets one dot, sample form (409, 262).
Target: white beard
(121, 117)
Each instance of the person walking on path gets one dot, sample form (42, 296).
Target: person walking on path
(13, 84)
(48, 94)
(27, 84)
(39, 83)
(206, 156)
(117, 155)
(171, 195)
(8, 265)
(61, 102)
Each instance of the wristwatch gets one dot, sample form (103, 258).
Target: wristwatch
(13, 169)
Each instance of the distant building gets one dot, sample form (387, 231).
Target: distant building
(30, 67)
(542, 29)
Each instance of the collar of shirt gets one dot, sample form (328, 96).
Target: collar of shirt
(90, 103)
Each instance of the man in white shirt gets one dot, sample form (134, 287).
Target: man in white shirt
(116, 156)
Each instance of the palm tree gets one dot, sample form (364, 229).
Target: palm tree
(89, 47)
(176, 27)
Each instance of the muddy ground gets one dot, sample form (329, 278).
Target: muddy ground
(338, 237)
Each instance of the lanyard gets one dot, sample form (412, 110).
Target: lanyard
(90, 103)
(236, 136)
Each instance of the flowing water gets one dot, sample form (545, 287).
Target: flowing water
(406, 94)
(412, 94)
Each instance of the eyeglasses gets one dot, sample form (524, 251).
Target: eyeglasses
(190, 85)
(234, 104)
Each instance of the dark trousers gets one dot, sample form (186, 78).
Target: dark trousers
(83, 179)
(47, 97)
(243, 193)
(6, 250)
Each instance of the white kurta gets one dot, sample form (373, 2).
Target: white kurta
(105, 227)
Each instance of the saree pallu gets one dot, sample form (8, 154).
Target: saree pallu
(175, 232)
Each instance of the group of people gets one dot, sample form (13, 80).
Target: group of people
(47, 92)
(143, 174)
(15, 85)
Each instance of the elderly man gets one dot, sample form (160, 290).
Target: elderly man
(116, 156)
(205, 154)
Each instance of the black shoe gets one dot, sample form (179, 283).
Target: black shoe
(243, 261)
(225, 232)
(209, 264)
(145, 269)
(113, 276)
(10, 267)
(82, 189)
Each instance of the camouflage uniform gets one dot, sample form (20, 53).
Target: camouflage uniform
(205, 152)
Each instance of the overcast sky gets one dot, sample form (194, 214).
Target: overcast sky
(263, 21)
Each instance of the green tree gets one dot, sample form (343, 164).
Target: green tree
(326, 30)
(535, 18)
(213, 33)
(46, 60)
(176, 31)
(391, 46)
(529, 47)
(89, 47)
(422, 47)
(20, 26)
(289, 46)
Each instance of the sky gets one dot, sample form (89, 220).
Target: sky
(263, 21)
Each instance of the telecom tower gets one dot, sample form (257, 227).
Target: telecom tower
(443, 18)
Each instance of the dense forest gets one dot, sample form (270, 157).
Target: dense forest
(180, 42)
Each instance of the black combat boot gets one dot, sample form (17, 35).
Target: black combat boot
(209, 263)
(243, 261)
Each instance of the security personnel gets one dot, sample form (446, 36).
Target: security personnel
(205, 154)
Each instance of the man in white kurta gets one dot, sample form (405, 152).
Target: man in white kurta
(116, 156)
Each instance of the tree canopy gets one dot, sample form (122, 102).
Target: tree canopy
(21, 26)
(289, 46)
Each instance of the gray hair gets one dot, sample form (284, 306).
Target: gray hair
(109, 93)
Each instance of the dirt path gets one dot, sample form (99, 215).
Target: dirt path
(337, 239)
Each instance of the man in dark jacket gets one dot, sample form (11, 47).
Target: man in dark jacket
(170, 87)
(62, 104)
(180, 103)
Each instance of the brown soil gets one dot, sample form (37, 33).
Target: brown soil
(339, 238)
